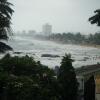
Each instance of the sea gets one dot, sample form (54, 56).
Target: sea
(27, 45)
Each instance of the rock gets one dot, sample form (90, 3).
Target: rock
(17, 52)
(50, 55)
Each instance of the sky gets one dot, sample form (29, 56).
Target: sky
(63, 15)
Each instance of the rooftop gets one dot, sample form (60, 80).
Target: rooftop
(84, 70)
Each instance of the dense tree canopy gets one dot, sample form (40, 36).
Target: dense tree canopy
(67, 79)
(74, 38)
(22, 78)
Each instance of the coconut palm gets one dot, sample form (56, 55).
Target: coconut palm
(5, 21)
(96, 18)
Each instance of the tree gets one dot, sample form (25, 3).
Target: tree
(96, 18)
(67, 79)
(89, 89)
(5, 21)
(22, 78)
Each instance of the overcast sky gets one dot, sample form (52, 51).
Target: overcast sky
(63, 15)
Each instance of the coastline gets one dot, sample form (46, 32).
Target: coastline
(81, 44)
(91, 45)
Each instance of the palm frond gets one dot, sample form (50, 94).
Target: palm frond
(96, 18)
(5, 21)
(4, 47)
(97, 11)
(6, 10)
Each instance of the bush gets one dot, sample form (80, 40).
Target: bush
(22, 78)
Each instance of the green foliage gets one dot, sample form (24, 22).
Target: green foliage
(5, 21)
(18, 65)
(4, 47)
(22, 78)
(94, 39)
(72, 38)
(89, 89)
(21, 88)
(96, 18)
(69, 38)
(67, 79)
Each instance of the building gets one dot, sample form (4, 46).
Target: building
(83, 75)
(31, 32)
(47, 29)
(80, 80)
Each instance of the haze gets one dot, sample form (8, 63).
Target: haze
(63, 15)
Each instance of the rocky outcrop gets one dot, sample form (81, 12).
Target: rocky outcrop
(50, 55)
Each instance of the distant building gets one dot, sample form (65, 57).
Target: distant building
(47, 29)
(23, 32)
(31, 32)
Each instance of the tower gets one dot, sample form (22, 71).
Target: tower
(47, 29)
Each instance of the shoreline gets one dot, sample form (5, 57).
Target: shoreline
(83, 45)
(91, 45)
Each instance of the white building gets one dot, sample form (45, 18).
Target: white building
(47, 29)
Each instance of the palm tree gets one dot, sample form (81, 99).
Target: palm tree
(5, 21)
(96, 18)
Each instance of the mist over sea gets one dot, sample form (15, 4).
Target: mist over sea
(36, 48)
